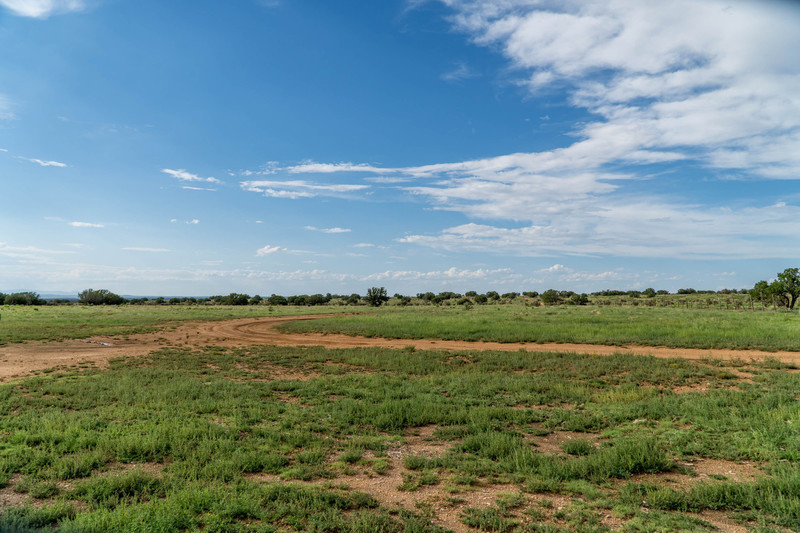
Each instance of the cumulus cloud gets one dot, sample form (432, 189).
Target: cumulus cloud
(183, 175)
(268, 250)
(41, 8)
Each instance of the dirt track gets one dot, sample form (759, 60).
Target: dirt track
(17, 360)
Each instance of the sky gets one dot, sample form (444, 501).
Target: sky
(199, 147)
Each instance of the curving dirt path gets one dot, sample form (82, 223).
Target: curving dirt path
(17, 360)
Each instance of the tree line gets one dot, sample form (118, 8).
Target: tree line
(783, 291)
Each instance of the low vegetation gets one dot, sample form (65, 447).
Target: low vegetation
(274, 439)
(51, 322)
(610, 325)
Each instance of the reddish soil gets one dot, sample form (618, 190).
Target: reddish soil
(17, 360)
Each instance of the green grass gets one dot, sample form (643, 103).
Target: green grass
(213, 439)
(24, 323)
(651, 326)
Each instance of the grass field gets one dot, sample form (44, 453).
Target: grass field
(652, 326)
(274, 439)
(25, 323)
(271, 439)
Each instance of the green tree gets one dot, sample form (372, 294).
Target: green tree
(784, 291)
(550, 297)
(23, 298)
(376, 296)
(236, 298)
(790, 285)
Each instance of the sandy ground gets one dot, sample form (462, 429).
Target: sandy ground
(17, 360)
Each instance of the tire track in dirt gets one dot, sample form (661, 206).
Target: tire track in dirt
(17, 360)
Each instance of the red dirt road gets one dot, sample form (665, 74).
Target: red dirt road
(18, 360)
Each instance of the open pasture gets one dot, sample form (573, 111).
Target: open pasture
(56, 322)
(650, 326)
(196, 437)
(309, 439)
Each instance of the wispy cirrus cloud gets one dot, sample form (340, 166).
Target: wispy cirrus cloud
(294, 189)
(44, 163)
(328, 168)
(328, 230)
(28, 252)
(5, 109)
(77, 224)
(42, 8)
(459, 73)
(187, 187)
(451, 274)
(183, 175)
(146, 250)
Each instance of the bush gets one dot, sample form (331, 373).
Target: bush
(276, 299)
(100, 297)
(550, 297)
(235, 298)
(23, 298)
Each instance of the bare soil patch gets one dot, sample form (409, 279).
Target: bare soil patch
(445, 502)
(19, 360)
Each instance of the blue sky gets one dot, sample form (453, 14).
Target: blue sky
(288, 146)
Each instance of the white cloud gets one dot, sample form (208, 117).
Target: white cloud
(329, 230)
(86, 225)
(41, 8)
(149, 250)
(30, 253)
(293, 189)
(363, 245)
(197, 188)
(555, 268)
(45, 163)
(461, 72)
(268, 250)
(5, 109)
(3, 150)
(634, 230)
(193, 222)
(182, 175)
(451, 274)
(716, 75)
(718, 89)
(308, 167)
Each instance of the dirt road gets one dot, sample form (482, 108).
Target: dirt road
(17, 360)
